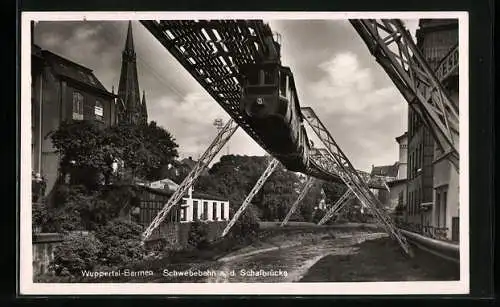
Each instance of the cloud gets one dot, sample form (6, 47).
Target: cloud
(363, 118)
(334, 72)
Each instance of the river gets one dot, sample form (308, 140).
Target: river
(280, 265)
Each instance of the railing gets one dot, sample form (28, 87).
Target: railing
(437, 233)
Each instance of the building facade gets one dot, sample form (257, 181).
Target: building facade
(195, 208)
(62, 90)
(389, 173)
(432, 181)
(397, 187)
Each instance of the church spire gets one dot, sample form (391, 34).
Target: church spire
(128, 88)
(144, 109)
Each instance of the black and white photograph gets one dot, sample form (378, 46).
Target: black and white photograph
(278, 153)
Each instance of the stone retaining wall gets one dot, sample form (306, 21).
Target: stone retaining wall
(43, 251)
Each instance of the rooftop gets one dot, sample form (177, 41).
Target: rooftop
(385, 170)
(68, 69)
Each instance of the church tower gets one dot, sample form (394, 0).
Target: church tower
(134, 111)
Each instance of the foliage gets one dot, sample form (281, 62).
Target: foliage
(88, 150)
(39, 214)
(76, 208)
(234, 176)
(318, 215)
(198, 234)
(78, 252)
(246, 226)
(121, 242)
(310, 200)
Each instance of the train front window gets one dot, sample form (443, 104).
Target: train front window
(269, 76)
(253, 77)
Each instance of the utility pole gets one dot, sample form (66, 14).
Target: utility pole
(219, 124)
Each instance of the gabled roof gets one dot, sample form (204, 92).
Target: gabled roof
(385, 170)
(70, 70)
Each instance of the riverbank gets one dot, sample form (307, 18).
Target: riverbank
(382, 260)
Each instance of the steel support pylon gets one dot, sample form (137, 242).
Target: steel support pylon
(343, 167)
(309, 183)
(256, 188)
(220, 140)
(394, 49)
(347, 197)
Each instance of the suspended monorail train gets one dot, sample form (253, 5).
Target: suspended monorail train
(269, 102)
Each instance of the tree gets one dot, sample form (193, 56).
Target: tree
(234, 176)
(88, 150)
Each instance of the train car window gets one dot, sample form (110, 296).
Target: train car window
(283, 84)
(253, 77)
(269, 76)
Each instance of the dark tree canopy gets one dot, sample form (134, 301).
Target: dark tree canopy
(234, 176)
(91, 149)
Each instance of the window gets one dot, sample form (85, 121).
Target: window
(283, 84)
(438, 208)
(222, 213)
(214, 211)
(195, 210)
(205, 210)
(99, 111)
(183, 214)
(269, 76)
(77, 106)
(253, 77)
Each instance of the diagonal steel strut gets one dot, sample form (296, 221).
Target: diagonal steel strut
(394, 49)
(220, 140)
(269, 170)
(351, 177)
(347, 197)
(309, 183)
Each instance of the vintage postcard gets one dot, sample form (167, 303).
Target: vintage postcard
(278, 153)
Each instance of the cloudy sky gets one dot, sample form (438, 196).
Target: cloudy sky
(334, 72)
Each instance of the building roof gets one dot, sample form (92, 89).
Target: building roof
(396, 182)
(385, 170)
(402, 136)
(70, 70)
(167, 182)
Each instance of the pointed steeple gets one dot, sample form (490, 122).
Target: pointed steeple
(129, 42)
(128, 88)
(144, 109)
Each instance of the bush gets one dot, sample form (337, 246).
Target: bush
(75, 208)
(318, 215)
(78, 252)
(246, 226)
(121, 242)
(198, 234)
(39, 214)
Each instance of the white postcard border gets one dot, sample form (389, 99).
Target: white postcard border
(28, 287)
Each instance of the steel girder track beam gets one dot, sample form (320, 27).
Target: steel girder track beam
(347, 197)
(220, 140)
(308, 185)
(256, 188)
(393, 47)
(351, 177)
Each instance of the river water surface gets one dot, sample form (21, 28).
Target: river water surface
(280, 265)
